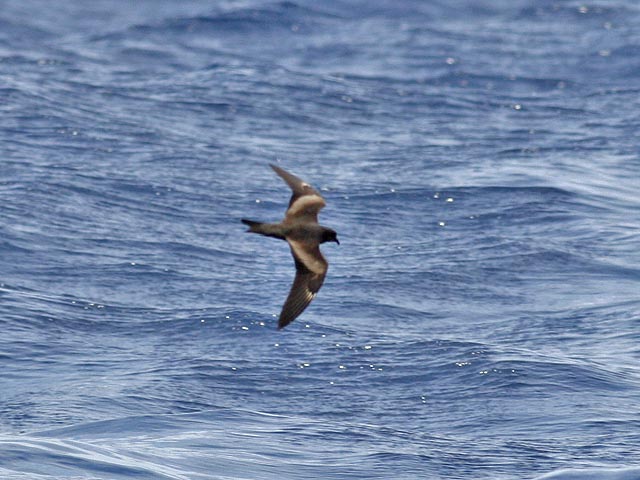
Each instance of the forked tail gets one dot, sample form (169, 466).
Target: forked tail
(267, 229)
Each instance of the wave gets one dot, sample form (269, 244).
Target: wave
(285, 16)
(32, 458)
(600, 473)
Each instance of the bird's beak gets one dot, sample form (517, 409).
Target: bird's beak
(337, 241)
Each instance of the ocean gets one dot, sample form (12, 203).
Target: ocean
(480, 162)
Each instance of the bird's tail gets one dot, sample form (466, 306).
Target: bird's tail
(267, 229)
(253, 226)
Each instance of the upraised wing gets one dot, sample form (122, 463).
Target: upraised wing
(311, 268)
(305, 202)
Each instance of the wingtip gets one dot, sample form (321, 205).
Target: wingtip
(279, 170)
(282, 324)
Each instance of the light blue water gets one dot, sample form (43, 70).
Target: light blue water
(480, 161)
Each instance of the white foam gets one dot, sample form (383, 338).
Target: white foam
(594, 474)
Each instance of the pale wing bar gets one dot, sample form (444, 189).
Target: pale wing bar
(307, 205)
(306, 200)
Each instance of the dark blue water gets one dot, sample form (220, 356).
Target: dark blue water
(480, 161)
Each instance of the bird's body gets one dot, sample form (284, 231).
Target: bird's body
(303, 233)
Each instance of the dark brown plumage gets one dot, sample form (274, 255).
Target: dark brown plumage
(303, 233)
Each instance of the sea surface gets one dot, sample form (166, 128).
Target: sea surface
(480, 160)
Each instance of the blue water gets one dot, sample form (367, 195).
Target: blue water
(480, 162)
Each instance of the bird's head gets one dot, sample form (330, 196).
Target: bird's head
(329, 235)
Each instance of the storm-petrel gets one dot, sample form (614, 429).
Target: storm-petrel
(304, 235)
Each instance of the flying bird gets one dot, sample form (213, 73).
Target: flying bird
(303, 233)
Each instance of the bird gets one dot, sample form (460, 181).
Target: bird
(301, 230)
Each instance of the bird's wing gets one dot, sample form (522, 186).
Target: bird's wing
(311, 268)
(305, 202)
